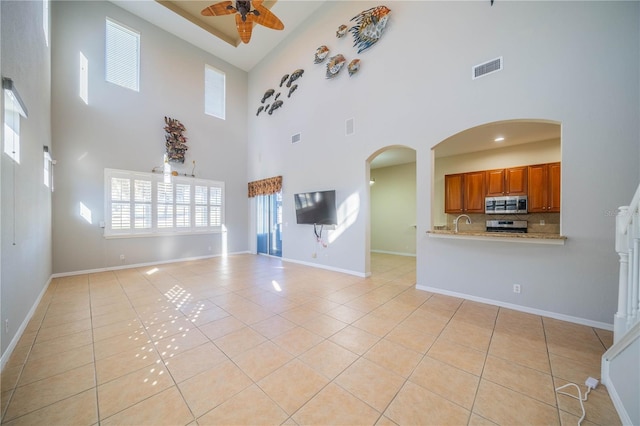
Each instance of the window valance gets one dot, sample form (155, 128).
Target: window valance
(265, 186)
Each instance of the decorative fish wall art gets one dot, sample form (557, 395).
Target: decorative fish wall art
(275, 106)
(267, 95)
(370, 25)
(342, 30)
(334, 65)
(353, 67)
(368, 29)
(276, 103)
(294, 76)
(321, 54)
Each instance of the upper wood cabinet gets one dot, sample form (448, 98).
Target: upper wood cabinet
(464, 193)
(453, 193)
(512, 181)
(544, 188)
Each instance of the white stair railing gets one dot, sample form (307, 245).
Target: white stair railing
(620, 366)
(628, 248)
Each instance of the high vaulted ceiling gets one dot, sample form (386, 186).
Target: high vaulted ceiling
(217, 34)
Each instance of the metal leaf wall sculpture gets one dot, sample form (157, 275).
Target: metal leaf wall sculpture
(176, 142)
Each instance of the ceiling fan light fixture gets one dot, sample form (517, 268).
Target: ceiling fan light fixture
(247, 13)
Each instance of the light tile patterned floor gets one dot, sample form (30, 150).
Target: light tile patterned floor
(253, 340)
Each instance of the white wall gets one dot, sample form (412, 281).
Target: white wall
(393, 209)
(123, 129)
(26, 265)
(576, 63)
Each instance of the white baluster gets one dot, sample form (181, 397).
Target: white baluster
(632, 313)
(622, 248)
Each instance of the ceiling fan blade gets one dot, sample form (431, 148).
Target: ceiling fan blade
(219, 9)
(244, 27)
(267, 18)
(256, 3)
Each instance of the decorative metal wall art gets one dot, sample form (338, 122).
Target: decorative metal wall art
(353, 66)
(342, 30)
(335, 65)
(294, 76)
(369, 27)
(321, 54)
(175, 141)
(275, 102)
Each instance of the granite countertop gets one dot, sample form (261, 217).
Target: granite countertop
(497, 235)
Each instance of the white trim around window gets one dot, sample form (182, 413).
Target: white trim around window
(139, 204)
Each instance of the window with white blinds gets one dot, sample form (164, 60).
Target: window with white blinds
(122, 56)
(139, 204)
(214, 92)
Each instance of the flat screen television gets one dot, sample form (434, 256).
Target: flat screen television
(316, 208)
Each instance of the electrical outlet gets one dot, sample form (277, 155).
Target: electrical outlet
(542, 222)
(122, 257)
(516, 288)
(314, 255)
(6, 325)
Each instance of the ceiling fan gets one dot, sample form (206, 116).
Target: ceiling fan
(247, 12)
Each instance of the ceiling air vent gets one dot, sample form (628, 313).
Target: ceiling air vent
(295, 138)
(486, 68)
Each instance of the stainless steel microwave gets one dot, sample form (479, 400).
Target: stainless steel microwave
(515, 204)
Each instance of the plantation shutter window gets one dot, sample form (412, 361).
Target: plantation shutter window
(143, 204)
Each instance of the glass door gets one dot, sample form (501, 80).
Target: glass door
(269, 226)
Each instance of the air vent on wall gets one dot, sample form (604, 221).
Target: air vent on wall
(350, 127)
(486, 68)
(295, 138)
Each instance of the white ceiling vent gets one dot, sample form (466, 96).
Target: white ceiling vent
(489, 67)
(296, 138)
(349, 127)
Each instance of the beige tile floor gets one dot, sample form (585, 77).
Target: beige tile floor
(253, 340)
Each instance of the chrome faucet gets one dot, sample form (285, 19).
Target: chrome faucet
(455, 222)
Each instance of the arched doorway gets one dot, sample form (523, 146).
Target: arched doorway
(391, 236)
(494, 146)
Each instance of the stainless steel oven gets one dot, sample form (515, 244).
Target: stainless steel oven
(519, 226)
(515, 204)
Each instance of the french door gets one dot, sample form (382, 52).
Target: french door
(269, 226)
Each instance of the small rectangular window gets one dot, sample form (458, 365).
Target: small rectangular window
(11, 126)
(214, 92)
(122, 56)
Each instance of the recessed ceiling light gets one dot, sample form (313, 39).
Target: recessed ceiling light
(498, 139)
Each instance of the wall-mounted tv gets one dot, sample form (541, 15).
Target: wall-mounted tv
(316, 208)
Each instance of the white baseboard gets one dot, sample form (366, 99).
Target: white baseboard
(141, 265)
(329, 268)
(394, 253)
(16, 338)
(625, 419)
(543, 313)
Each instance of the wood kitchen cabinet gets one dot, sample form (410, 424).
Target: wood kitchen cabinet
(511, 181)
(464, 193)
(544, 188)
